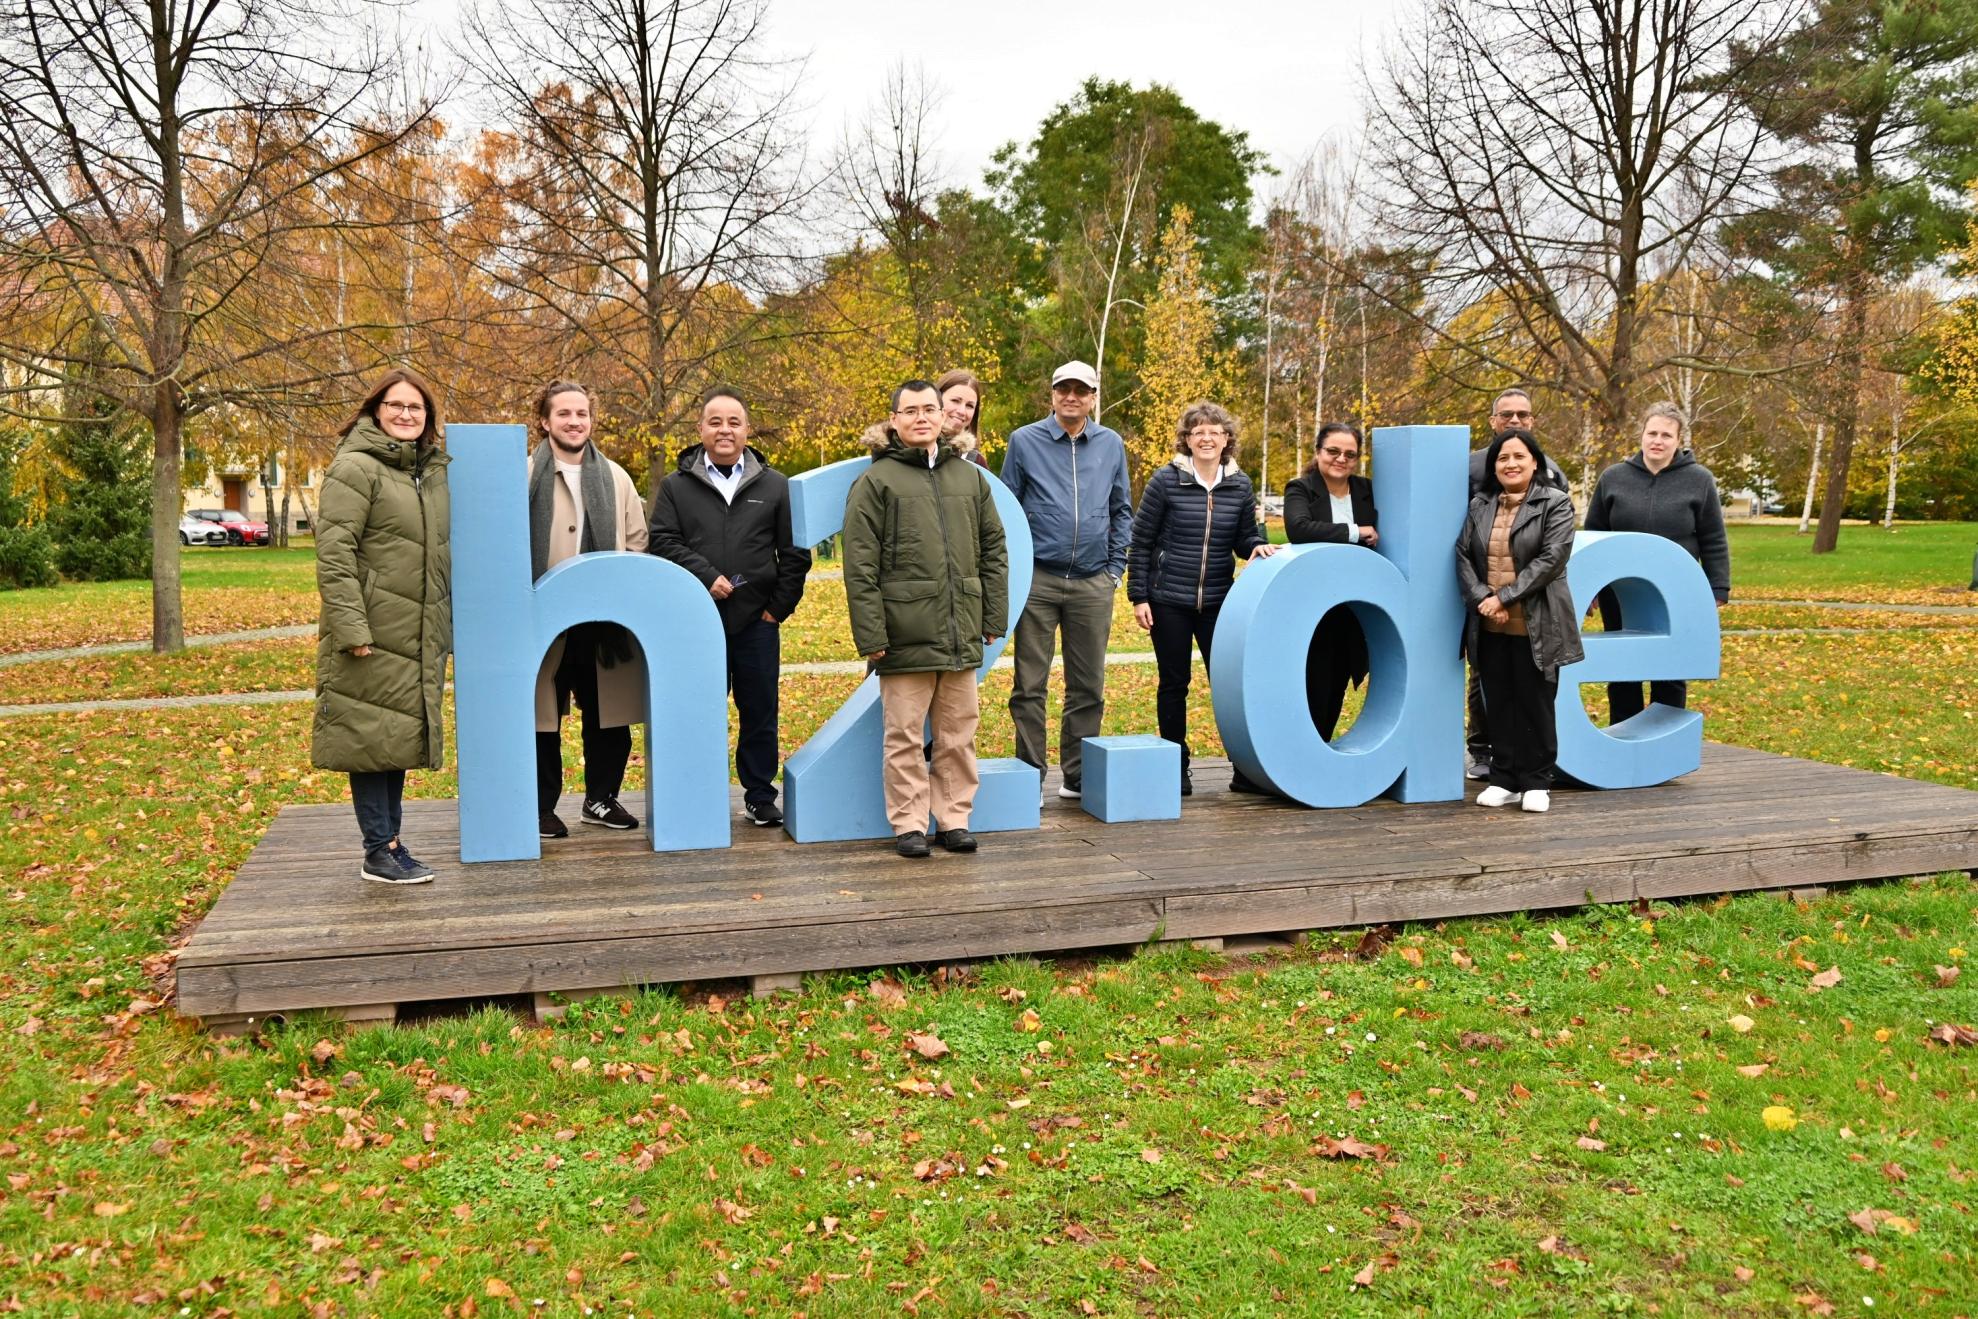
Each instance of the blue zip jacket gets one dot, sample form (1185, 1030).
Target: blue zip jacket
(1074, 493)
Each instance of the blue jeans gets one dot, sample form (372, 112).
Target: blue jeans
(377, 794)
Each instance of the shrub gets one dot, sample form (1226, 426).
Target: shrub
(27, 558)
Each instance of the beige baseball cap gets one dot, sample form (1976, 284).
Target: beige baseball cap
(1082, 372)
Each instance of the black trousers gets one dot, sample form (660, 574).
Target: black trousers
(1329, 667)
(1624, 698)
(1524, 734)
(606, 750)
(1175, 627)
(755, 659)
(378, 795)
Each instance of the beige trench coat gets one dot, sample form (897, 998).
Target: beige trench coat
(621, 689)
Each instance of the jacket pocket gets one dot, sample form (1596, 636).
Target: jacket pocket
(913, 610)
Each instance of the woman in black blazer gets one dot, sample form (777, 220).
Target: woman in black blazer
(1329, 503)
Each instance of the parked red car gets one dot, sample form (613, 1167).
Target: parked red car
(240, 529)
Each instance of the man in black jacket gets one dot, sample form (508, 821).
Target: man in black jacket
(1511, 408)
(724, 516)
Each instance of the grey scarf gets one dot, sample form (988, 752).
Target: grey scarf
(600, 504)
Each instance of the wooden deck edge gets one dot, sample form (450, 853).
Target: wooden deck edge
(604, 964)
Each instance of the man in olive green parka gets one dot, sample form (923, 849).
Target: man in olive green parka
(927, 581)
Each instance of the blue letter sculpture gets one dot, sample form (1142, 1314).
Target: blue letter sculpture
(1409, 736)
(1408, 740)
(832, 789)
(1670, 632)
(503, 624)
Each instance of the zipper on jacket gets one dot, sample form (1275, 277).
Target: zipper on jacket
(941, 519)
(1071, 443)
(1208, 521)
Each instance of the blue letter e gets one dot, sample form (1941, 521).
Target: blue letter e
(1670, 632)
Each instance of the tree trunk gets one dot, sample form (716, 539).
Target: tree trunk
(167, 506)
(1895, 461)
(1854, 333)
(1812, 473)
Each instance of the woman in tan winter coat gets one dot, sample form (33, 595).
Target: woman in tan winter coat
(581, 502)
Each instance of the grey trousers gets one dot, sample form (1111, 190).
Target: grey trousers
(1081, 608)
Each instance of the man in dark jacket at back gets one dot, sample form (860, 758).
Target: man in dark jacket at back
(724, 516)
(1511, 408)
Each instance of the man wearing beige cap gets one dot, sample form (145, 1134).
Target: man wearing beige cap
(1069, 473)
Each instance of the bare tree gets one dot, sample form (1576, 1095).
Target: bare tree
(890, 174)
(656, 184)
(153, 161)
(1556, 155)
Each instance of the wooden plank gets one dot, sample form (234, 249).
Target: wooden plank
(653, 959)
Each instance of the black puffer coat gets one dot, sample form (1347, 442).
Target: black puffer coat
(1187, 537)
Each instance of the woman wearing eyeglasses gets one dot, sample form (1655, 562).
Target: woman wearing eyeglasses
(383, 572)
(1198, 516)
(1330, 503)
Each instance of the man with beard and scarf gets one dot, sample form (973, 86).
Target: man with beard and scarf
(581, 502)
(724, 515)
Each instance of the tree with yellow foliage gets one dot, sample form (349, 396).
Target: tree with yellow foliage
(1182, 363)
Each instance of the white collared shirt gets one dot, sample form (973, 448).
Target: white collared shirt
(727, 485)
(1342, 511)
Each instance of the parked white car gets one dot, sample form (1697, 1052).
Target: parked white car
(197, 531)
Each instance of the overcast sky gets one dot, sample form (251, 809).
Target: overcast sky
(1285, 71)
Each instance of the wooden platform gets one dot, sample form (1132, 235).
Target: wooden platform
(297, 929)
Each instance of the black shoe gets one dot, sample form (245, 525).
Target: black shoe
(912, 844)
(1478, 768)
(549, 826)
(381, 866)
(763, 813)
(1237, 783)
(407, 860)
(956, 840)
(606, 811)
(1187, 784)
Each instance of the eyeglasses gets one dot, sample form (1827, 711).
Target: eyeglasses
(924, 410)
(403, 409)
(1339, 455)
(1071, 387)
(1515, 416)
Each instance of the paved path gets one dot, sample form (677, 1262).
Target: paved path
(309, 630)
(818, 667)
(126, 647)
(1865, 606)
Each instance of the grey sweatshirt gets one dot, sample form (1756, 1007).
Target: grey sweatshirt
(1678, 503)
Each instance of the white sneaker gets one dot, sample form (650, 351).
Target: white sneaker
(1496, 796)
(1070, 791)
(1538, 799)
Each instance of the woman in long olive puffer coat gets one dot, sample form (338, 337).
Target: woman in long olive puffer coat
(384, 574)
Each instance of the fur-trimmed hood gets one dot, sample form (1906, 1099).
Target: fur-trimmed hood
(878, 438)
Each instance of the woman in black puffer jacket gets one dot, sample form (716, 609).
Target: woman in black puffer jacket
(1196, 516)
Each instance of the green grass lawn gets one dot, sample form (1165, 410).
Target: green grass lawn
(1917, 562)
(1551, 1113)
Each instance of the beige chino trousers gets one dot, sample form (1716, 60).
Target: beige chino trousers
(914, 787)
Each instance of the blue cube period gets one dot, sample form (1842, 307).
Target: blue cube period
(1132, 778)
(1006, 797)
